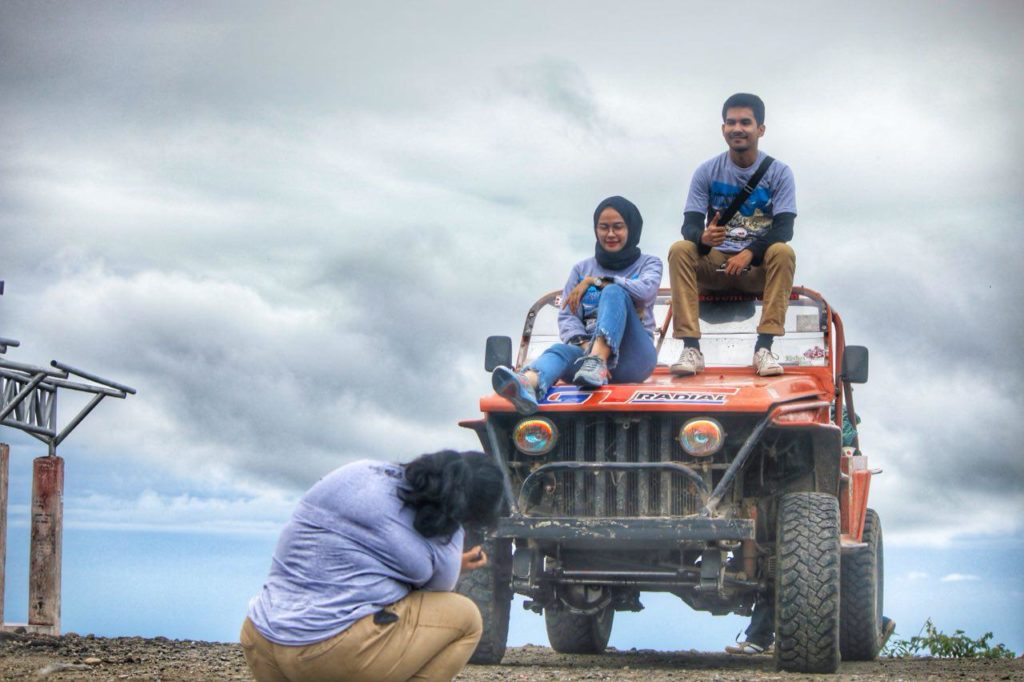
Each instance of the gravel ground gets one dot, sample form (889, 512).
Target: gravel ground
(74, 657)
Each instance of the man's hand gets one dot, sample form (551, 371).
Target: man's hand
(474, 558)
(739, 262)
(714, 234)
(574, 297)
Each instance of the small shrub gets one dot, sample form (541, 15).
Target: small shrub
(941, 645)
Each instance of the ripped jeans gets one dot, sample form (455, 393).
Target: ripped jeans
(633, 355)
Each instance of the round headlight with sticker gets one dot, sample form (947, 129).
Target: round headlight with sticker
(535, 436)
(701, 437)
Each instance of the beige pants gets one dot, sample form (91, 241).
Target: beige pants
(689, 273)
(434, 636)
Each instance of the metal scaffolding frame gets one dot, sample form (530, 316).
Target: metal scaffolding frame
(28, 403)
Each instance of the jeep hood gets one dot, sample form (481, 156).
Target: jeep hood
(716, 390)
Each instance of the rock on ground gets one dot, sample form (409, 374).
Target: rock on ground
(72, 658)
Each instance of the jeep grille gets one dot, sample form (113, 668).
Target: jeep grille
(603, 493)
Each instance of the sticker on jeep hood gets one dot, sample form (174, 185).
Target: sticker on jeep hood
(705, 397)
(570, 395)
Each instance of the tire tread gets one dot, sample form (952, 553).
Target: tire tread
(807, 584)
(860, 626)
(490, 590)
(571, 633)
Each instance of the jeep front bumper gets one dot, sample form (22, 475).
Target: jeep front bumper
(653, 532)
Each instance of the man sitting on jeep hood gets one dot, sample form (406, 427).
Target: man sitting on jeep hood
(749, 253)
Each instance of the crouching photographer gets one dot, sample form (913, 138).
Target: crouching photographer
(360, 586)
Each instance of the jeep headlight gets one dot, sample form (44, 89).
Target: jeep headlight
(701, 437)
(535, 436)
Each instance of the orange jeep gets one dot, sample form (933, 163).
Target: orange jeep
(719, 488)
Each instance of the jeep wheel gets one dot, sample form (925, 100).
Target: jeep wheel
(572, 633)
(860, 619)
(491, 590)
(807, 584)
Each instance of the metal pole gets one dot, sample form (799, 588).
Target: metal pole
(76, 421)
(22, 394)
(5, 454)
(45, 543)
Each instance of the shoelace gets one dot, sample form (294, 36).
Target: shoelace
(591, 363)
(524, 386)
(691, 355)
(765, 359)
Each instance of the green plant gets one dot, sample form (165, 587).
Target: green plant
(941, 645)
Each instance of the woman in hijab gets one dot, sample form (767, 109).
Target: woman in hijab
(607, 319)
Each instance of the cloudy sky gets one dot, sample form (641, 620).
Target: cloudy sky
(292, 226)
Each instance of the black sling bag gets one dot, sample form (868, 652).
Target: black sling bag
(744, 194)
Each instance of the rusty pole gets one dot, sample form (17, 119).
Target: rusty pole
(5, 454)
(45, 548)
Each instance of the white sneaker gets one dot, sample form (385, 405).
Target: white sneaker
(690, 361)
(766, 363)
(745, 649)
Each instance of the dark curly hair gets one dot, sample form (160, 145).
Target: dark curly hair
(449, 488)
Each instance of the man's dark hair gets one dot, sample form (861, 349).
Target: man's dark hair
(448, 488)
(745, 99)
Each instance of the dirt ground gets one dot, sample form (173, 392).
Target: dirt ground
(79, 658)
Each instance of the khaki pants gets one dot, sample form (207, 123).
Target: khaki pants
(687, 270)
(434, 636)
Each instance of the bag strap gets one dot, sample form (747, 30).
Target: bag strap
(745, 193)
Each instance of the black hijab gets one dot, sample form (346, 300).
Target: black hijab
(628, 254)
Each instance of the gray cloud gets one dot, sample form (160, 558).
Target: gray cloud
(294, 234)
(558, 84)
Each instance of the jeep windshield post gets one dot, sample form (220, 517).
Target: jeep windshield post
(717, 488)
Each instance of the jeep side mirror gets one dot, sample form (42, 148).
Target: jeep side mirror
(855, 364)
(498, 352)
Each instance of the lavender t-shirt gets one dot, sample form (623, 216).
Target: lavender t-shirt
(640, 280)
(349, 550)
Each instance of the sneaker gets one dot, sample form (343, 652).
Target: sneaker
(690, 361)
(593, 373)
(745, 649)
(766, 363)
(513, 387)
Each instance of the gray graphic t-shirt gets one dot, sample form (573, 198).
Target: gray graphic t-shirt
(716, 183)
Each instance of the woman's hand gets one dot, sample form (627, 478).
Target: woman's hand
(474, 558)
(573, 300)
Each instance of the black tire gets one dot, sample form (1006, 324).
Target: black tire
(572, 633)
(863, 582)
(490, 588)
(807, 584)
